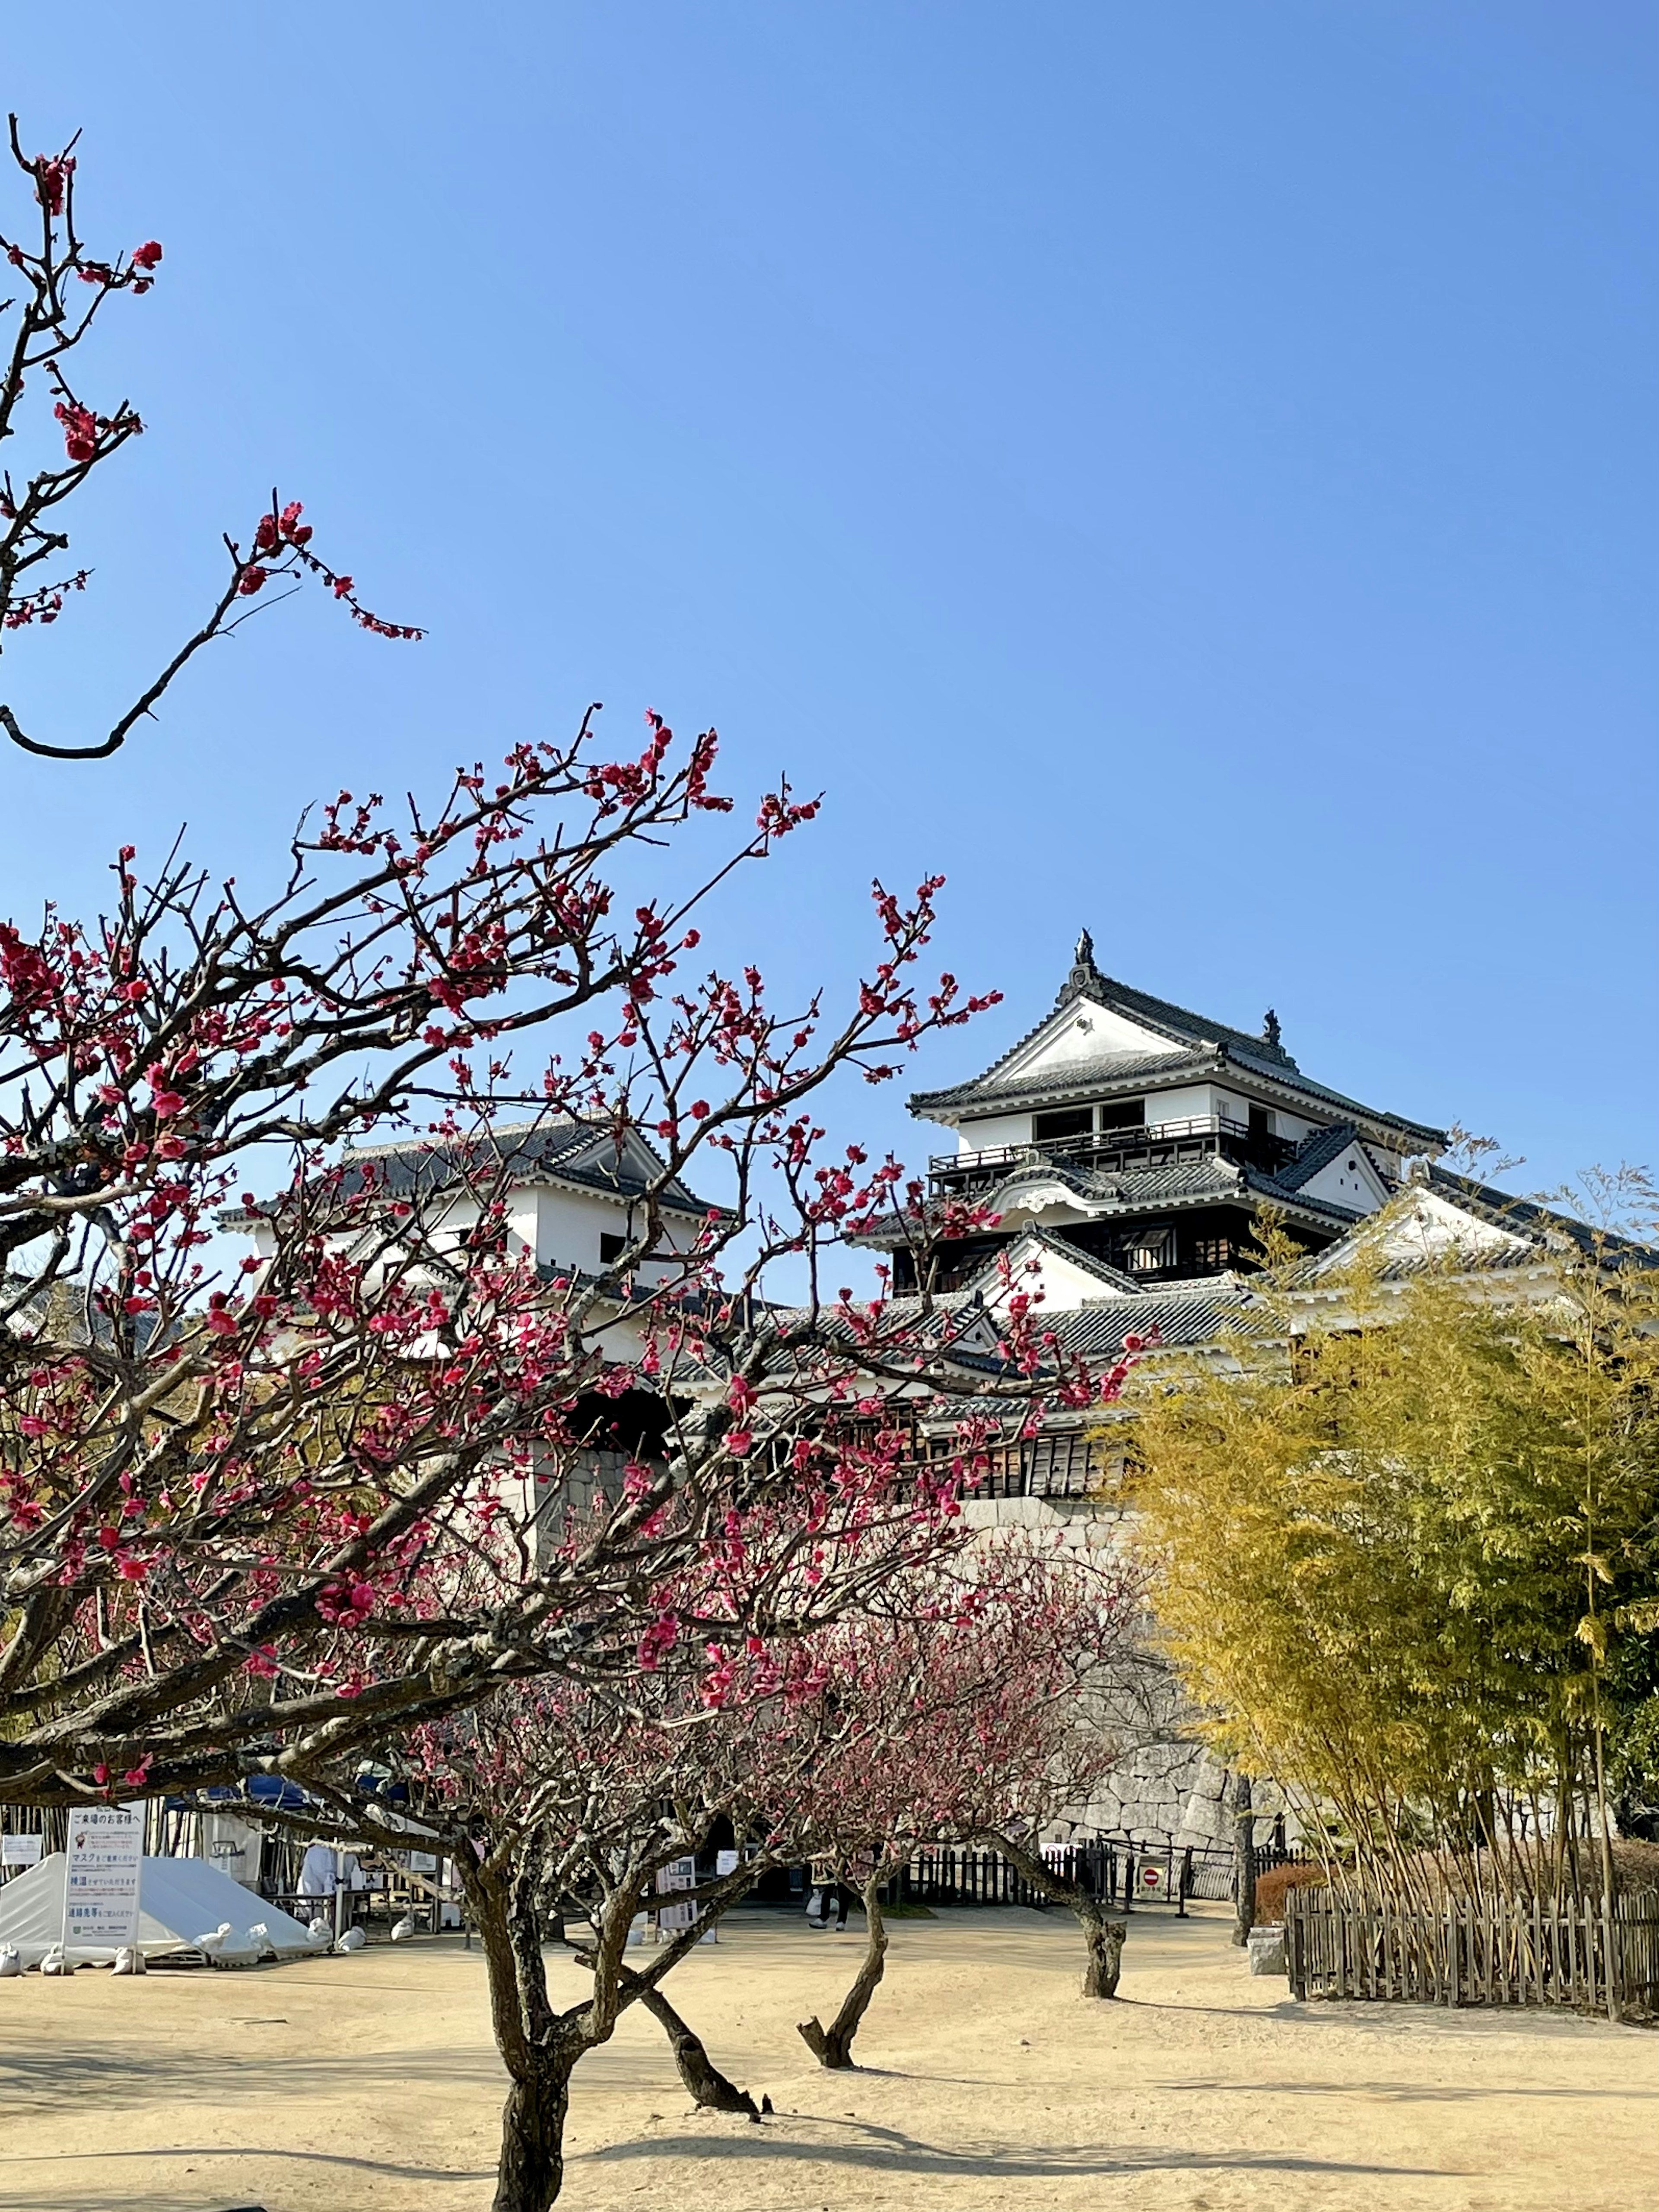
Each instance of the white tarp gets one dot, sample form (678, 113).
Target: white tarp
(180, 1900)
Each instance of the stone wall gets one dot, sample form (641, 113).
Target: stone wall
(1168, 1786)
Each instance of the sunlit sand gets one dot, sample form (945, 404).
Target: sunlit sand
(370, 2083)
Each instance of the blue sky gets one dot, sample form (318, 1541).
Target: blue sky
(1186, 470)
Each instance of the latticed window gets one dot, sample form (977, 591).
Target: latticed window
(1154, 1248)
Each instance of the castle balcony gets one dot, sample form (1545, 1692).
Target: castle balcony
(1157, 1145)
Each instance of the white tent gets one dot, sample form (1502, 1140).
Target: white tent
(180, 1901)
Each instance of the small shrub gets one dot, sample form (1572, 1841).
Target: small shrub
(1271, 1887)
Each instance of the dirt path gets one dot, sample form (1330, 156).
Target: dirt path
(370, 2083)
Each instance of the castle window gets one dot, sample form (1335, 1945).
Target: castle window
(1124, 1114)
(611, 1247)
(1152, 1250)
(1065, 1121)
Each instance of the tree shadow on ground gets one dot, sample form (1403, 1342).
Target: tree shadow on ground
(1416, 2092)
(35, 2081)
(124, 2201)
(887, 2150)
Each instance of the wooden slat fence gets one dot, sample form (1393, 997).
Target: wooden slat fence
(1475, 1951)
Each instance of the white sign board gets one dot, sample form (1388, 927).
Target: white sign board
(100, 1881)
(20, 1850)
(679, 1873)
(726, 1863)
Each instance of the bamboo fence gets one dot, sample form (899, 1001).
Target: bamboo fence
(1476, 1951)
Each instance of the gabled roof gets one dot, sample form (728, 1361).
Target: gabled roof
(1197, 1045)
(1439, 1216)
(586, 1156)
(1176, 1023)
(1108, 1277)
(1327, 1145)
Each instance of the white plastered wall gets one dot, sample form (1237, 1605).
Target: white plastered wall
(1349, 1180)
(996, 1129)
(1083, 1030)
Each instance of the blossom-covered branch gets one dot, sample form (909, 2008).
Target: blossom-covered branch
(61, 288)
(216, 1487)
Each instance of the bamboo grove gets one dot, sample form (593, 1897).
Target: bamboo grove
(1407, 1556)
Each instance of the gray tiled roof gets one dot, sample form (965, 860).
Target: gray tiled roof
(1194, 1314)
(1541, 1230)
(510, 1156)
(1124, 1192)
(1318, 1152)
(1198, 1045)
(1103, 1071)
(1183, 1319)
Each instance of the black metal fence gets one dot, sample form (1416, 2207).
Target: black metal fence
(1121, 1873)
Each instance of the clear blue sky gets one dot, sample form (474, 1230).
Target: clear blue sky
(1186, 470)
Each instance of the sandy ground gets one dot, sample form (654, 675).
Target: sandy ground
(988, 2086)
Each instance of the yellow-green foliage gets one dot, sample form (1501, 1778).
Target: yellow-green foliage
(1392, 1556)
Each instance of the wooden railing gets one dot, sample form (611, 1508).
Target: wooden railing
(1475, 1951)
(1084, 1147)
(1065, 1465)
(1158, 1143)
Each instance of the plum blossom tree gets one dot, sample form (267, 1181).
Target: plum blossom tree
(984, 1712)
(63, 288)
(217, 1489)
(215, 1492)
(263, 1518)
(940, 1696)
(566, 1797)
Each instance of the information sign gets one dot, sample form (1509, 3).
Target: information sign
(678, 1874)
(100, 1881)
(20, 1850)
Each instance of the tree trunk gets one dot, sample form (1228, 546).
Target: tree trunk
(832, 2047)
(1105, 1941)
(531, 2170)
(1243, 1860)
(540, 2060)
(707, 2086)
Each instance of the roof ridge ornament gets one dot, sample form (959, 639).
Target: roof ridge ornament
(1085, 975)
(1270, 1031)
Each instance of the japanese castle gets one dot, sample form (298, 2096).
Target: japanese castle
(1119, 1159)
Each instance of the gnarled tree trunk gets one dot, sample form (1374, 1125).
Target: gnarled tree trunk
(531, 2170)
(539, 2058)
(832, 2047)
(1104, 1939)
(707, 2086)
